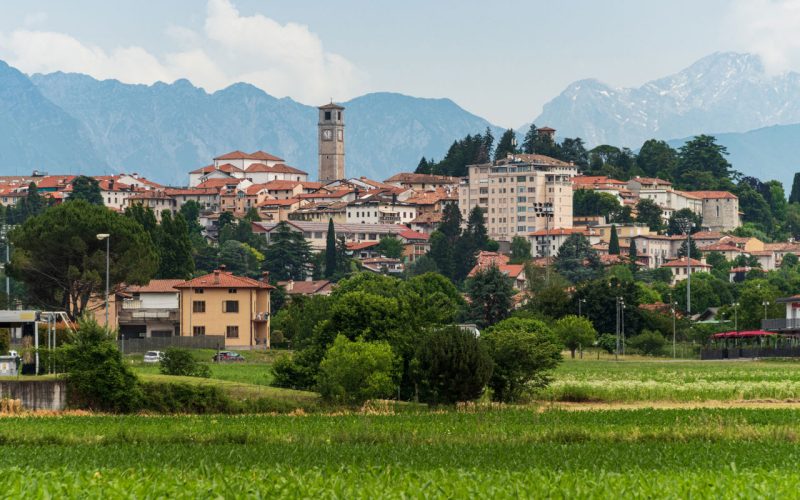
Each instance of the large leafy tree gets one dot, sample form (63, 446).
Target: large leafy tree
(575, 332)
(288, 254)
(390, 247)
(702, 165)
(524, 351)
(657, 159)
(31, 205)
(577, 260)
(587, 202)
(87, 189)
(682, 217)
(490, 294)
(648, 212)
(60, 259)
(239, 258)
(520, 249)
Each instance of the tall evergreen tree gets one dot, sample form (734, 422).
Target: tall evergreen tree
(476, 228)
(794, 197)
(442, 253)
(330, 250)
(86, 188)
(287, 255)
(423, 167)
(633, 253)
(490, 292)
(613, 242)
(451, 222)
(174, 247)
(505, 146)
(529, 143)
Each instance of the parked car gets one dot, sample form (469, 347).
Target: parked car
(228, 356)
(153, 356)
(13, 353)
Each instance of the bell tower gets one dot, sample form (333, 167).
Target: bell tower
(331, 142)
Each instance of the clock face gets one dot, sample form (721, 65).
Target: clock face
(327, 134)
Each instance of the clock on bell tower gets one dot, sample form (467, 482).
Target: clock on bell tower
(331, 142)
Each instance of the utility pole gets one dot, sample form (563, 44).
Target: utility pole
(672, 308)
(736, 316)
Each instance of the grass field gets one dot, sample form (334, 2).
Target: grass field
(495, 454)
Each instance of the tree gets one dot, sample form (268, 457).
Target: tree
(441, 253)
(648, 212)
(753, 293)
(633, 254)
(354, 372)
(789, 261)
(62, 263)
(520, 250)
(529, 143)
(794, 197)
(587, 202)
(577, 260)
(390, 247)
(181, 362)
(682, 219)
(31, 205)
(648, 342)
(607, 342)
(87, 189)
(695, 252)
(574, 332)
(490, 294)
(524, 352)
(451, 364)
(613, 242)
(190, 211)
(702, 165)
(174, 247)
(476, 229)
(239, 259)
(451, 223)
(97, 376)
(330, 250)
(422, 265)
(287, 255)
(657, 159)
(423, 167)
(506, 145)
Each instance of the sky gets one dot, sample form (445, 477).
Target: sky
(500, 60)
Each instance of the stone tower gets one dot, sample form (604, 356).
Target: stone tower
(331, 142)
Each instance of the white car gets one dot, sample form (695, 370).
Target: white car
(153, 356)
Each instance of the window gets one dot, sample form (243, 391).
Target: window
(199, 306)
(198, 331)
(327, 115)
(231, 290)
(230, 306)
(198, 290)
(232, 332)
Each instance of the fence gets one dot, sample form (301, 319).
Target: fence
(751, 352)
(161, 343)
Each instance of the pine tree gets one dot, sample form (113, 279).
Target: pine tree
(451, 223)
(529, 144)
(794, 197)
(633, 255)
(505, 146)
(330, 250)
(86, 188)
(423, 167)
(613, 242)
(174, 247)
(476, 228)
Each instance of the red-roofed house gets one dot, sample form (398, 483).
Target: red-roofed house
(236, 308)
(681, 269)
(514, 271)
(308, 287)
(363, 249)
(415, 244)
(547, 242)
(730, 252)
(150, 310)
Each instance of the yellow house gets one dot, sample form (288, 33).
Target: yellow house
(220, 303)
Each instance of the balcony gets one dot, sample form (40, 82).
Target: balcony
(133, 312)
(781, 324)
(262, 317)
(389, 219)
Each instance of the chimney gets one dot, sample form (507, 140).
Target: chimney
(222, 267)
(216, 276)
(111, 184)
(290, 285)
(265, 277)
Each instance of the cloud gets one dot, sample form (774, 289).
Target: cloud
(769, 28)
(282, 59)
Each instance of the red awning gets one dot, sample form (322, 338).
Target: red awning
(732, 335)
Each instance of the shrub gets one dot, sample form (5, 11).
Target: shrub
(574, 332)
(5, 341)
(294, 371)
(184, 398)
(353, 372)
(451, 365)
(524, 351)
(181, 362)
(607, 342)
(648, 342)
(97, 377)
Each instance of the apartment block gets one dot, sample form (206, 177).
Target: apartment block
(520, 194)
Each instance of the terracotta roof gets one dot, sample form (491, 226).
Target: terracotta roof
(651, 180)
(331, 106)
(595, 179)
(222, 279)
(682, 263)
(413, 235)
(190, 191)
(54, 181)
(155, 286)
(761, 253)
(279, 203)
(540, 159)
(546, 129)
(236, 155)
(335, 194)
(218, 183)
(282, 168)
(608, 260)
(305, 287)
(355, 245)
(225, 167)
(429, 218)
(711, 195)
(280, 185)
(707, 235)
(720, 247)
(262, 155)
(311, 185)
(149, 195)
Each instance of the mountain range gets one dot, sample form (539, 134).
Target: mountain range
(73, 123)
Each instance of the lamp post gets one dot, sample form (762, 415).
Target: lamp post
(107, 238)
(620, 304)
(672, 310)
(580, 301)
(736, 316)
(765, 304)
(685, 225)
(623, 328)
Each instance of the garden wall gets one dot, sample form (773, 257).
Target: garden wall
(36, 394)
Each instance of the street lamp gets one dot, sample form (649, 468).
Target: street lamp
(107, 237)
(685, 224)
(580, 301)
(765, 304)
(672, 309)
(736, 316)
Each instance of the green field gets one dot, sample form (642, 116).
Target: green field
(510, 453)
(543, 449)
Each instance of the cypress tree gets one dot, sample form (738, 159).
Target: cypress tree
(794, 197)
(613, 243)
(330, 250)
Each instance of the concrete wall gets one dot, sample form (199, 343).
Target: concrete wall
(36, 394)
